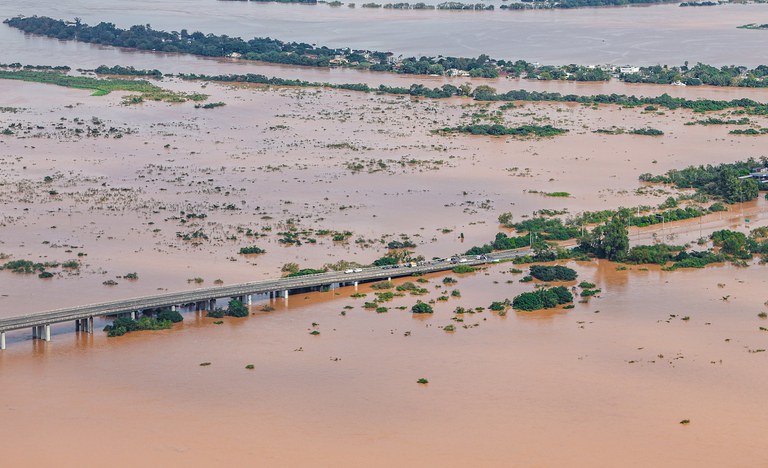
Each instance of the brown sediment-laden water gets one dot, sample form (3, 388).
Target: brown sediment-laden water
(172, 192)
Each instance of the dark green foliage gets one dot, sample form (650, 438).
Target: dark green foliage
(717, 206)
(546, 228)
(123, 325)
(696, 260)
(385, 261)
(553, 273)
(210, 105)
(406, 244)
(45, 274)
(498, 130)
(421, 308)
(306, 271)
(721, 180)
(646, 131)
(657, 253)
(459, 269)
(235, 308)
(499, 306)
(251, 250)
(169, 315)
(609, 241)
(23, 266)
(543, 298)
(130, 71)
(586, 285)
(502, 242)
(731, 243)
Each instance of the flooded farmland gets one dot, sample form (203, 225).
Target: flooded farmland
(649, 366)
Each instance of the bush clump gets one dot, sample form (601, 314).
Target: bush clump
(544, 298)
(169, 315)
(458, 269)
(123, 325)
(236, 308)
(251, 250)
(553, 273)
(421, 308)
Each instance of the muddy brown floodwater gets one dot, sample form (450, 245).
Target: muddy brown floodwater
(609, 381)
(181, 190)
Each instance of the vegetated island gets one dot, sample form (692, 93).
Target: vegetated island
(100, 87)
(143, 37)
(479, 93)
(753, 26)
(501, 130)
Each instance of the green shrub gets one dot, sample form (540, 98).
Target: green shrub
(169, 315)
(122, 325)
(236, 308)
(544, 298)
(458, 269)
(421, 308)
(251, 250)
(553, 273)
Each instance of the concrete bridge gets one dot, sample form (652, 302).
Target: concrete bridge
(204, 298)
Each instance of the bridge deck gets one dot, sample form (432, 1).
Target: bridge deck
(235, 290)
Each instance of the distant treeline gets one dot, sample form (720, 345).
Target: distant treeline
(700, 74)
(487, 93)
(293, 53)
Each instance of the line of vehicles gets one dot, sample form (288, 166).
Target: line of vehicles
(437, 261)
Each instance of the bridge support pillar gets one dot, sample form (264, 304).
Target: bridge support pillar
(355, 284)
(133, 315)
(212, 304)
(389, 278)
(250, 299)
(47, 336)
(285, 294)
(173, 308)
(90, 325)
(2, 341)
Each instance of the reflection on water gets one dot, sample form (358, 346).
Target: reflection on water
(663, 34)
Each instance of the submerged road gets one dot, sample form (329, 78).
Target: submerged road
(83, 315)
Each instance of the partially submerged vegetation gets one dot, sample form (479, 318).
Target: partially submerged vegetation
(143, 37)
(102, 86)
(164, 319)
(722, 181)
(501, 130)
(542, 298)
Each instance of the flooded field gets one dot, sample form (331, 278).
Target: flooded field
(183, 189)
(658, 368)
